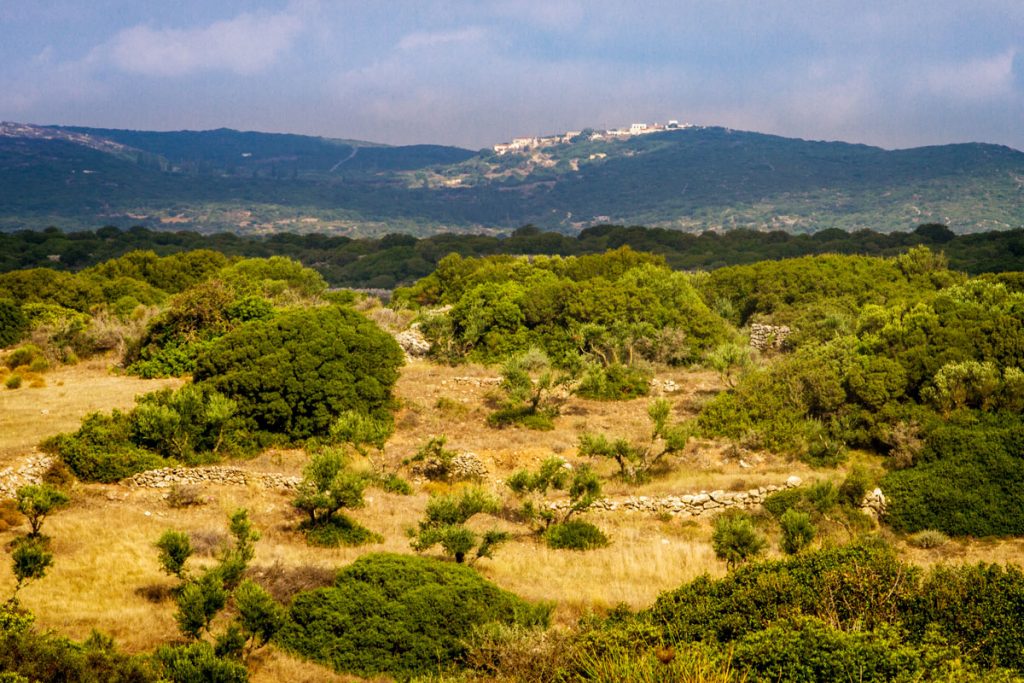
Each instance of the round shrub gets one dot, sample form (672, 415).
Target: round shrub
(295, 374)
(575, 535)
(399, 614)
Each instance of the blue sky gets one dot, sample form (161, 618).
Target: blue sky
(899, 73)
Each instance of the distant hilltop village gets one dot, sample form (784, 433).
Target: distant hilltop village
(524, 144)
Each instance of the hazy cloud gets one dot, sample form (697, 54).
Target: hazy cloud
(243, 45)
(470, 73)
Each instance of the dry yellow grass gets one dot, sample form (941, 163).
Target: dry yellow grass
(30, 414)
(103, 543)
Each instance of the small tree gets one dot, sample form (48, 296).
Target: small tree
(36, 502)
(527, 399)
(175, 548)
(30, 560)
(365, 434)
(729, 358)
(636, 461)
(554, 473)
(199, 601)
(259, 616)
(797, 531)
(327, 487)
(735, 539)
(445, 525)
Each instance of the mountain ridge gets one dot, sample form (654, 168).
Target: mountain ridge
(692, 178)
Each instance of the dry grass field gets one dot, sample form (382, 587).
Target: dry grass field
(105, 574)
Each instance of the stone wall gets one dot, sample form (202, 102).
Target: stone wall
(768, 337)
(691, 505)
(171, 476)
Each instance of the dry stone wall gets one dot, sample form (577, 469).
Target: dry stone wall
(178, 476)
(768, 337)
(692, 505)
(30, 471)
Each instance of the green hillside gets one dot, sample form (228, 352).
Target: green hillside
(692, 179)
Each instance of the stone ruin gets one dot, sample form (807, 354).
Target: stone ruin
(768, 337)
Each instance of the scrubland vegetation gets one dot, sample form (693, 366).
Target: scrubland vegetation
(583, 385)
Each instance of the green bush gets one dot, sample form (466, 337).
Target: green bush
(101, 450)
(575, 534)
(339, 530)
(13, 323)
(198, 662)
(978, 608)
(46, 656)
(295, 374)
(399, 615)
(806, 650)
(855, 586)
(13, 381)
(967, 483)
(735, 539)
(615, 382)
(779, 502)
(797, 531)
(24, 355)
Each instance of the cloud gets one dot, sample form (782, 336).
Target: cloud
(975, 79)
(420, 40)
(244, 45)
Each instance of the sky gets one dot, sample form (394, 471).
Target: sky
(899, 73)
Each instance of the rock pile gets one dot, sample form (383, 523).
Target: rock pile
(659, 387)
(413, 342)
(462, 467)
(768, 337)
(473, 381)
(30, 471)
(171, 476)
(873, 504)
(692, 505)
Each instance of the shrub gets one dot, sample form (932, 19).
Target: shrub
(25, 356)
(30, 559)
(198, 662)
(30, 655)
(797, 531)
(13, 323)
(527, 400)
(859, 586)
(295, 374)
(806, 650)
(575, 534)
(637, 461)
(615, 382)
(928, 539)
(340, 530)
(400, 615)
(444, 524)
(735, 539)
(854, 487)
(13, 381)
(326, 488)
(779, 502)
(966, 482)
(101, 450)
(975, 607)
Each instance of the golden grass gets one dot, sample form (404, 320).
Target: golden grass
(30, 414)
(104, 556)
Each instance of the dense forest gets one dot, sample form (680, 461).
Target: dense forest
(898, 364)
(401, 259)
